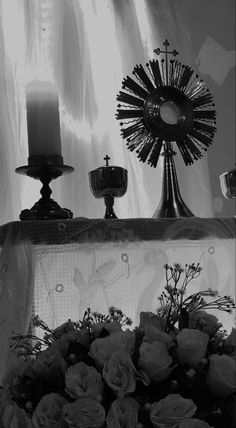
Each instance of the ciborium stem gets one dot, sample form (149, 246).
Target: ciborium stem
(109, 202)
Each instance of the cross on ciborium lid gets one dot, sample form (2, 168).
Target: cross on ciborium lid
(107, 158)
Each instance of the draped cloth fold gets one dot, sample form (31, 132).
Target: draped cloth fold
(16, 292)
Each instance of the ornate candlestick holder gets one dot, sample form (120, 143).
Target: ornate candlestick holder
(45, 168)
(108, 182)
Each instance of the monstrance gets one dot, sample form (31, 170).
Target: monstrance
(165, 105)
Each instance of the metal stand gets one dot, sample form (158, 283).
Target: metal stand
(171, 204)
(49, 169)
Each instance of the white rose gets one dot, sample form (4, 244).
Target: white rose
(149, 318)
(204, 321)
(83, 381)
(16, 372)
(14, 417)
(119, 372)
(73, 336)
(194, 423)
(230, 343)
(231, 338)
(221, 376)
(84, 413)
(192, 345)
(63, 328)
(109, 327)
(48, 412)
(123, 413)
(102, 348)
(169, 412)
(155, 360)
(152, 333)
(49, 363)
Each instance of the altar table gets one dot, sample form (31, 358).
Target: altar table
(57, 269)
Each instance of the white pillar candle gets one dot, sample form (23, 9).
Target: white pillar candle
(43, 121)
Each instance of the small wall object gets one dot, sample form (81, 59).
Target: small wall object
(228, 184)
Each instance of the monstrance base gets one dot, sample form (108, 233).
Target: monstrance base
(171, 204)
(168, 209)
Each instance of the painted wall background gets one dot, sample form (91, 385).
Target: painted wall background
(203, 31)
(212, 31)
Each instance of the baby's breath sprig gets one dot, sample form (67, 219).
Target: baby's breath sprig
(38, 322)
(172, 298)
(87, 320)
(92, 318)
(115, 314)
(28, 345)
(225, 303)
(175, 306)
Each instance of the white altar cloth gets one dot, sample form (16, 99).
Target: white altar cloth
(59, 268)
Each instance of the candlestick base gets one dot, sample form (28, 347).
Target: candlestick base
(49, 211)
(46, 208)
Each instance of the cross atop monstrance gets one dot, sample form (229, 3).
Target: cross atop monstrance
(158, 51)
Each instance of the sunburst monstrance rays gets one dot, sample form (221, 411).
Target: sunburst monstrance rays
(167, 102)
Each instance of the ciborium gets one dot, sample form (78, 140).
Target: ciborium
(108, 182)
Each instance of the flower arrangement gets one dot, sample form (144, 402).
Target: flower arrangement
(177, 369)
